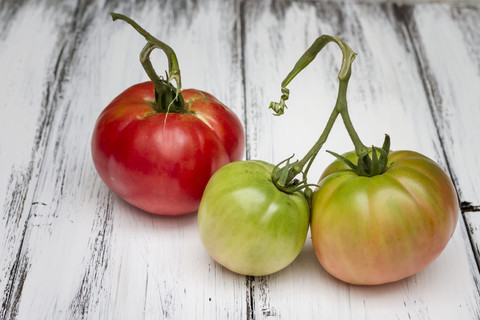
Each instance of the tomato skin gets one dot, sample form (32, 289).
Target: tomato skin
(162, 162)
(380, 229)
(246, 224)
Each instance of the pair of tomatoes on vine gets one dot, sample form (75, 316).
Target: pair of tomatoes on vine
(376, 215)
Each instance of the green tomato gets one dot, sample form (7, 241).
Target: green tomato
(249, 226)
(374, 230)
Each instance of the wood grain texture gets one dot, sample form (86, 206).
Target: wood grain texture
(84, 252)
(70, 249)
(31, 75)
(387, 95)
(450, 60)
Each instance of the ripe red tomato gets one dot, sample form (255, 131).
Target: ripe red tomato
(379, 229)
(161, 162)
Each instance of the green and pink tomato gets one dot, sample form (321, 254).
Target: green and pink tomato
(383, 228)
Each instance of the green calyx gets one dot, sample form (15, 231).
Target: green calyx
(168, 98)
(282, 176)
(370, 164)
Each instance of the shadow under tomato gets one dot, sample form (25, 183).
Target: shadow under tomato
(148, 220)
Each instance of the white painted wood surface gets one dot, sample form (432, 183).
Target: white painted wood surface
(70, 249)
(450, 58)
(387, 95)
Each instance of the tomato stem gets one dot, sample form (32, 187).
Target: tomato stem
(284, 176)
(167, 97)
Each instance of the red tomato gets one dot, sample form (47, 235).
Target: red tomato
(161, 162)
(379, 229)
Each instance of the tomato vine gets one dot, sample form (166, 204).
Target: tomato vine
(369, 162)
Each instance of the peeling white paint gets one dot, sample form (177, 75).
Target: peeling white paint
(85, 253)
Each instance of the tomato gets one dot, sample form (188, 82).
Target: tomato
(248, 225)
(380, 229)
(161, 162)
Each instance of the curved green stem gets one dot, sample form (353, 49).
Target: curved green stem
(315, 48)
(283, 177)
(167, 97)
(360, 148)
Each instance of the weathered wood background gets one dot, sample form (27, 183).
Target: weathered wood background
(70, 249)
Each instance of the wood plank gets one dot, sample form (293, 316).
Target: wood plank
(31, 73)
(386, 95)
(85, 252)
(71, 249)
(450, 59)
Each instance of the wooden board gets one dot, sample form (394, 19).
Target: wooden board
(69, 248)
(450, 59)
(32, 73)
(387, 95)
(83, 251)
